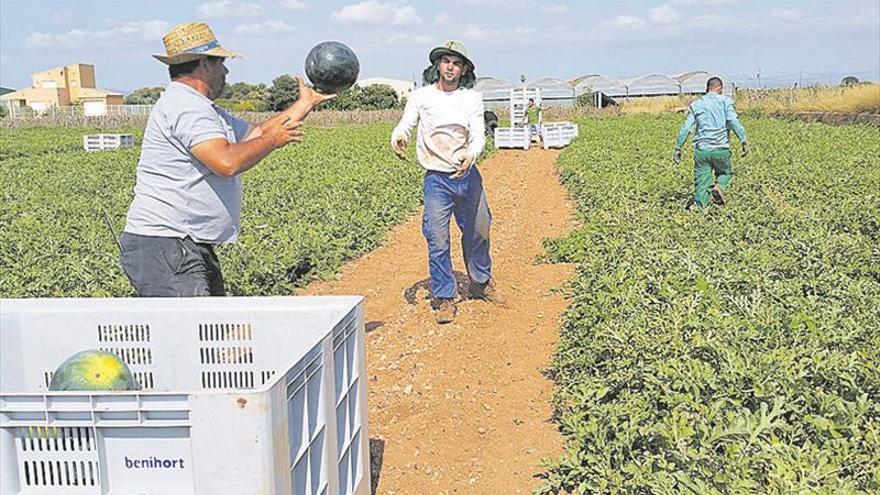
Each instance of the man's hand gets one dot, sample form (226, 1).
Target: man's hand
(398, 144)
(745, 149)
(467, 161)
(298, 111)
(283, 133)
(676, 156)
(310, 95)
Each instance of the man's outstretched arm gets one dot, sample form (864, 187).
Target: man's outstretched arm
(227, 159)
(685, 130)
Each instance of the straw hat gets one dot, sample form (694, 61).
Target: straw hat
(451, 47)
(191, 41)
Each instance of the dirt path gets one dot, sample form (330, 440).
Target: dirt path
(464, 408)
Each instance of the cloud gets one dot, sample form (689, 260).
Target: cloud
(374, 12)
(152, 30)
(227, 9)
(442, 18)
(703, 2)
(553, 8)
(787, 14)
(626, 22)
(665, 21)
(475, 32)
(268, 27)
(293, 5)
(63, 18)
(664, 15)
(407, 39)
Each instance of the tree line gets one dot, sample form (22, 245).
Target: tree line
(245, 97)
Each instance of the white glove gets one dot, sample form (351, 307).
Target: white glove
(399, 142)
(466, 161)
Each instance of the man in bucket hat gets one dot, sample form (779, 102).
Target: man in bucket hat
(187, 198)
(450, 138)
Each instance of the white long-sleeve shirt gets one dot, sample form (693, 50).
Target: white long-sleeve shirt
(450, 125)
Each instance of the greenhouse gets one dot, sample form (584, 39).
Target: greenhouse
(652, 85)
(496, 92)
(558, 92)
(695, 82)
(554, 92)
(597, 83)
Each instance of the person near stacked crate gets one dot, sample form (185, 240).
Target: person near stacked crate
(451, 136)
(187, 195)
(533, 117)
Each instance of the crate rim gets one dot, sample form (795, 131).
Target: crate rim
(184, 304)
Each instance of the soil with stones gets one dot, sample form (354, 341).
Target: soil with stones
(464, 407)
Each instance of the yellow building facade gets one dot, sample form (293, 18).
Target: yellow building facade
(63, 86)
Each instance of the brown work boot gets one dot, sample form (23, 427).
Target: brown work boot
(718, 195)
(488, 292)
(444, 311)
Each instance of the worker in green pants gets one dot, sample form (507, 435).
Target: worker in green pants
(714, 117)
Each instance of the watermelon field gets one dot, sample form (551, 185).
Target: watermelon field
(734, 350)
(731, 351)
(307, 209)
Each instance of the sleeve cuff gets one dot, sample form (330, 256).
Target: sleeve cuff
(206, 136)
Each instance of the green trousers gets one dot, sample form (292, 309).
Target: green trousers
(710, 166)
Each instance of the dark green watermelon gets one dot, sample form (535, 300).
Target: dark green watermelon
(332, 67)
(93, 370)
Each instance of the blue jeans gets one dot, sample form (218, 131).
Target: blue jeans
(464, 198)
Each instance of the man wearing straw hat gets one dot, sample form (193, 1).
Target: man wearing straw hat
(451, 136)
(187, 198)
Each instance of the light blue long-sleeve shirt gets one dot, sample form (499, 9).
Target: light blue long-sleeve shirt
(714, 115)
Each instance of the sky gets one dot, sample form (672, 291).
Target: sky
(785, 41)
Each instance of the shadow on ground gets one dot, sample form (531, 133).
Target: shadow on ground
(377, 452)
(373, 325)
(412, 293)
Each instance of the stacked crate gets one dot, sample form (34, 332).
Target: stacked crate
(99, 142)
(519, 102)
(518, 134)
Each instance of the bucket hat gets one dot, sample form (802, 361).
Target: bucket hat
(191, 41)
(451, 47)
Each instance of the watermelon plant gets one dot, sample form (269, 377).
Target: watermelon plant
(307, 209)
(734, 350)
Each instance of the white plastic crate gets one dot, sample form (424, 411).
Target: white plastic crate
(98, 142)
(512, 137)
(558, 134)
(239, 396)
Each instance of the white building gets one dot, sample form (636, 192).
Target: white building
(403, 88)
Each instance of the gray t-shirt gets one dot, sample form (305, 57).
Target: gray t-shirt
(175, 194)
